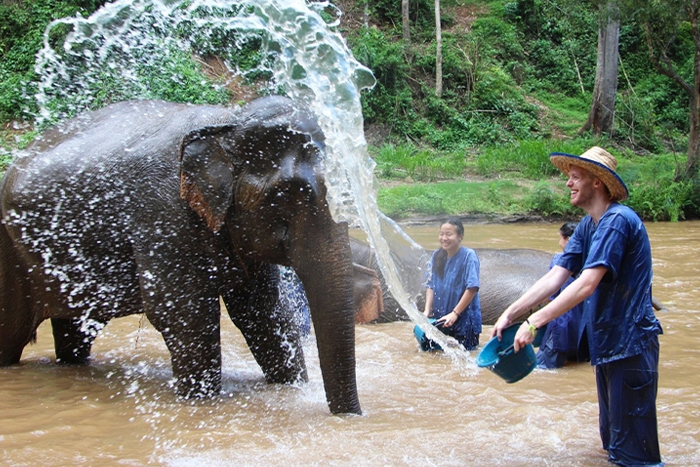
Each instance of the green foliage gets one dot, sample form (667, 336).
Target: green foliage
(527, 159)
(547, 200)
(22, 26)
(500, 39)
(560, 38)
(451, 198)
(383, 54)
(179, 78)
(389, 11)
(407, 160)
(636, 121)
(653, 193)
(664, 202)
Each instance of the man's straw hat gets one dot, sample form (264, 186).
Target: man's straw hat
(600, 163)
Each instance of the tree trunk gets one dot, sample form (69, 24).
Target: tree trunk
(366, 14)
(691, 167)
(601, 118)
(406, 24)
(438, 51)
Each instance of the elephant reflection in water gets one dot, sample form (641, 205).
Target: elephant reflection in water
(161, 208)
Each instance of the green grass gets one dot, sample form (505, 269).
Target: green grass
(564, 112)
(526, 159)
(452, 198)
(519, 179)
(407, 160)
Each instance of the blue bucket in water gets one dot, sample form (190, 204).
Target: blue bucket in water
(426, 344)
(499, 356)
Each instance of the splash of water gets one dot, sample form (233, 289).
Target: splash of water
(304, 56)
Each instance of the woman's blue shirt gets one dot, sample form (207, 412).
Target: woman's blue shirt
(461, 273)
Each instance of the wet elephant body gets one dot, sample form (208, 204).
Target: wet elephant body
(160, 208)
(504, 276)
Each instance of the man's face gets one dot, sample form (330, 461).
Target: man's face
(581, 183)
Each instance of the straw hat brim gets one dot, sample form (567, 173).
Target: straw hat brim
(618, 189)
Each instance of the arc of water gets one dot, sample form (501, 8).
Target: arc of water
(310, 60)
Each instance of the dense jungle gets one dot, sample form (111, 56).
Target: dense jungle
(470, 96)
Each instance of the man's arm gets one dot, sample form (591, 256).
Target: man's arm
(540, 291)
(580, 289)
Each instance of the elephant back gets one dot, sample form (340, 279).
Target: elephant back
(507, 274)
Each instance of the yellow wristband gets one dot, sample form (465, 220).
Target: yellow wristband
(531, 328)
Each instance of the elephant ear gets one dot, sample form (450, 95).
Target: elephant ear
(206, 175)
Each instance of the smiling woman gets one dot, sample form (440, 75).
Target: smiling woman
(452, 294)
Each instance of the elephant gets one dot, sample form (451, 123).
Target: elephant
(162, 208)
(505, 274)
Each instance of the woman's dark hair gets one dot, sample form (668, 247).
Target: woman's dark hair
(441, 256)
(567, 230)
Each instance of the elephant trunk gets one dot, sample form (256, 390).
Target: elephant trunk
(324, 266)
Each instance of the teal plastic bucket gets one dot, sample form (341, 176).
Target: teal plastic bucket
(499, 356)
(426, 344)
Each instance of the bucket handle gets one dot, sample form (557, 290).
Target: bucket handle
(507, 351)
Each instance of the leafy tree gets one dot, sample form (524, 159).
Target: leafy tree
(22, 25)
(667, 24)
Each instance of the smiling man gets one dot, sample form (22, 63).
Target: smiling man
(610, 256)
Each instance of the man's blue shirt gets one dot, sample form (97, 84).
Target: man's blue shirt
(618, 317)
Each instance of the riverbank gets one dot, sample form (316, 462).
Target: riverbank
(480, 219)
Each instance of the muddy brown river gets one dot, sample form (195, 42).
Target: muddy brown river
(420, 409)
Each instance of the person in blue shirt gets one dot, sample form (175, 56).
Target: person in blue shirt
(452, 295)
(610, 256)
(560, 342)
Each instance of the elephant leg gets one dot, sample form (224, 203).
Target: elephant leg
(19, 317)
(181, 301)
(73, 338)
(269, 329)
(15, 333)
(195, 351)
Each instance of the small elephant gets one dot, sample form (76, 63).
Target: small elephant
(161, 208)
(504, 276)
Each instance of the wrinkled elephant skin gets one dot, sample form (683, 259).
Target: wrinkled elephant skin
(160, 208)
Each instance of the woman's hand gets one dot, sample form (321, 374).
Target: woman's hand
(448, 320)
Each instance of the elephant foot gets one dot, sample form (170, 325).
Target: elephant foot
(345, 407)
(10, 356)
(204, 386)
(292, 375)
(72, 341)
